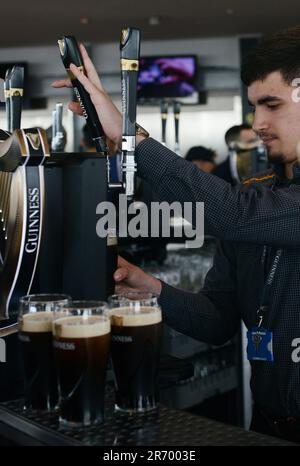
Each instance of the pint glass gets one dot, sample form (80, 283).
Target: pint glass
(135, 350)
(35, 334)
(81, 340)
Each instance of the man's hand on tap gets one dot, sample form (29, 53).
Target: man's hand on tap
(129, 277)
(109, 115)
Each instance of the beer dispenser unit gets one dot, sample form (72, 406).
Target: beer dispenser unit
(50, 199)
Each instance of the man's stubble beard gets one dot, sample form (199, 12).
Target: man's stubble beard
(279, 158)
(276, 158)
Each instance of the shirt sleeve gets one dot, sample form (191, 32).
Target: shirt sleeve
(254, 214)
(212, 315)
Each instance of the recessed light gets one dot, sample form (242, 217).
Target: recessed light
(154, 21)
(84, 20)
(230, 11)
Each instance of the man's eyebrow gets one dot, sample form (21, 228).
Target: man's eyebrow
(265, 100)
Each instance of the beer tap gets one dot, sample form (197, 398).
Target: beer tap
(129, 53)
(16, 83)
(57, 143)
(164, 115)
(7, 98)
(70, 53)
(176, 110)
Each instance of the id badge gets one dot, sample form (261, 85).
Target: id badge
(260, 344)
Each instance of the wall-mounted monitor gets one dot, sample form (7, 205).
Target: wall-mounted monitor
(168, 77)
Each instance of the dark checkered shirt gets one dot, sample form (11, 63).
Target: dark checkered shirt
(264, 211)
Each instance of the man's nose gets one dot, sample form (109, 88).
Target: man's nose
(260, 122)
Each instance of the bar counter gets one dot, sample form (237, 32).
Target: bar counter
(164, 427)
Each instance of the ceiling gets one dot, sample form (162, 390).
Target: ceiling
(36, 22)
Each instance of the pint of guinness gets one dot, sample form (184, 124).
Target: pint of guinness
(135, 350)
(35, 334)
(81, 347)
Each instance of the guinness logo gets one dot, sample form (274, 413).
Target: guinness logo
(34, 140)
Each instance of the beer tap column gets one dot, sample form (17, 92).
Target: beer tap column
(16, 84)
(129, 53)
(164, 115)
(7, 98)
(176, 110)
(57, 143)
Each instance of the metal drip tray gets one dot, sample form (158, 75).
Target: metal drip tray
(162, 427)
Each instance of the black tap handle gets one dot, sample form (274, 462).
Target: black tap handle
(129, 54)
(7, 98)
(176, 110)
(164, 105)
(70, 53)
(16, 84)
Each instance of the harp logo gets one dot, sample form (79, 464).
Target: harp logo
(34, 140)
(2, 350)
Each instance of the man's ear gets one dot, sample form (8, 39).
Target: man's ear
(296, 92)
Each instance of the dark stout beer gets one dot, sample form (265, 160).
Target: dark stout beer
(81, 346)
(135, 352)
(112, 260)
(35, 333)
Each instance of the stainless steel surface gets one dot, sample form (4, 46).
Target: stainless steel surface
(9, 330)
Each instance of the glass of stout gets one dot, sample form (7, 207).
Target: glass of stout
(35, 333)
(135, 350)
(81, 340)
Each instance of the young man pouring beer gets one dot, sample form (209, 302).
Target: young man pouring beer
(256, 269)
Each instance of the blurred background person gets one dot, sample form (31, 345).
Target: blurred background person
(203, 157)
(239, 133)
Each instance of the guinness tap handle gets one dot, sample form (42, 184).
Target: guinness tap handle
(16, 84)
(129, 55)
(7, 98)
(70, 53)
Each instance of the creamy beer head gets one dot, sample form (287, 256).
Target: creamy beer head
(131, 317)
(81, 326)
(38, 322)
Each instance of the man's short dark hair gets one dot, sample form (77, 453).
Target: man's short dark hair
(200, 153)
(233, 133)
(279, 51)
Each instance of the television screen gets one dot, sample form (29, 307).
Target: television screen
(167, 77)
